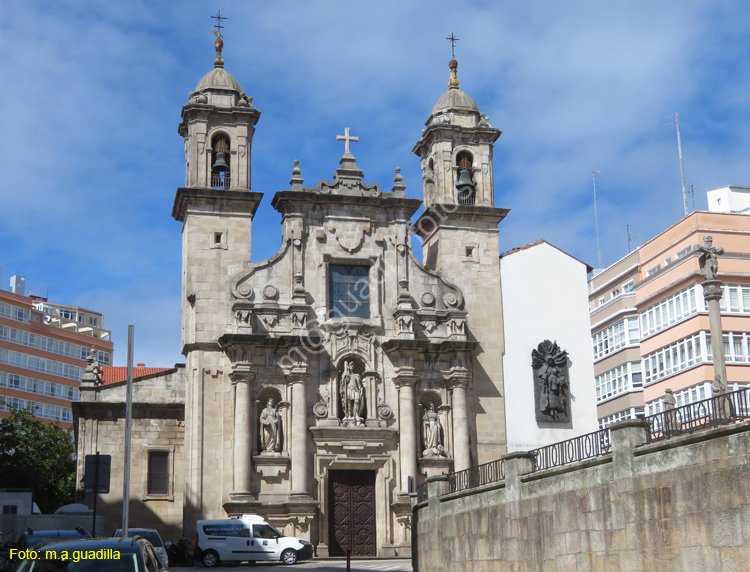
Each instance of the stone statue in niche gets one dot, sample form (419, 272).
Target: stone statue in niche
(432, 433)
(352, 391)
(270, 429)
(551, 382)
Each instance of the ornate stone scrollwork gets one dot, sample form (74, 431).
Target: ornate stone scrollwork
(427, 299)
(270, 292)
(384, 411)
(320, 409)
(451, 300)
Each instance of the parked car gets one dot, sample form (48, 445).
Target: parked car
(31, 538)
(152, 535)
(249, 538)
(93, 555)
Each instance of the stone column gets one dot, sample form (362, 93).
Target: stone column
(712, 292)
(461, 453)
(408, 447)
(243, 430)
(298, 434)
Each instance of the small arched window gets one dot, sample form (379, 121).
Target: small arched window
(220, 176)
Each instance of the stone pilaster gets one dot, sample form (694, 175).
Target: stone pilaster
(515, 465)
(457, 379)
(297, 377)
(242, 379)
(405, 381)
(626, 436)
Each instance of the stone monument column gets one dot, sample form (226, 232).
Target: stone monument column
(243, 429)
(712, 292)
(298, 377)
(405, 381)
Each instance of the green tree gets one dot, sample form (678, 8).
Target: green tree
(39, 456)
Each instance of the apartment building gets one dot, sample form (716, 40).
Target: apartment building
(649, 320)
(43, 347)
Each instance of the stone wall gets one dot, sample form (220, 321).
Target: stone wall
(675, 506)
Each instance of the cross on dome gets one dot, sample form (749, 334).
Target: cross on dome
(347, 139)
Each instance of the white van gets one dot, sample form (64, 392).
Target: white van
(248, 538)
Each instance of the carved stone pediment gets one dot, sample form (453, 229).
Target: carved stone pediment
(354, 440)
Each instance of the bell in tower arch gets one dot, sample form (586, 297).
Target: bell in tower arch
(220, 166)
(465, 185)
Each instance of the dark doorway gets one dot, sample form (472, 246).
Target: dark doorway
(351, 509)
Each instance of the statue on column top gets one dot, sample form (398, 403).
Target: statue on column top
(709, 262)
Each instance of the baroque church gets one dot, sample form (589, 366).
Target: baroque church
(323, 385)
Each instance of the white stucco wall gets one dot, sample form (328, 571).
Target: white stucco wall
(544, 293)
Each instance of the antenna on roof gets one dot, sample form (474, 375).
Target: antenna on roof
(596, 221)
(630, 237)
(676, 122)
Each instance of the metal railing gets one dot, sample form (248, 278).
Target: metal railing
(577, 449)
(712, 412)
(491, 472)
(467, 197)
(220, 180)
(422, 492)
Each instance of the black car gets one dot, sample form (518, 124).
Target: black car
(32, 538)
(92, 555)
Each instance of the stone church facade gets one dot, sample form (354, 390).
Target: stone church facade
(322, 385)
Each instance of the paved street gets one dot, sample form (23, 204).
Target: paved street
(394, 565)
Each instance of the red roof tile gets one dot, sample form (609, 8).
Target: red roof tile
(114, 374)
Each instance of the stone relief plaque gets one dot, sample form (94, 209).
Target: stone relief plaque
(551, 383)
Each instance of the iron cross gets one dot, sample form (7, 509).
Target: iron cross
(218, 19)
(453, 39)
(347, 139)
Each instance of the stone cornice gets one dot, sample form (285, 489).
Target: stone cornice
(282, 200)
(439, 215)
(394, 345)
(222, 201)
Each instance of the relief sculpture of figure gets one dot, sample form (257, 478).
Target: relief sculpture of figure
(709, 261)
(270, 428)
(551, 382)
(432, 433)
(352, 396)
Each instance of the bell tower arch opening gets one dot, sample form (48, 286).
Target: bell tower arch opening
(220, 153)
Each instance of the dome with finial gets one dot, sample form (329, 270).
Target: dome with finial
(218, 87)
(454, 100)
(219, 78)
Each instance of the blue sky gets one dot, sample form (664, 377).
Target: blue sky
(92, 91)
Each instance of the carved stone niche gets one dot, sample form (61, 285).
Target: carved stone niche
(551, 383)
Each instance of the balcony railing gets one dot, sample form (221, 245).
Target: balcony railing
(577, 449)
(491, 472)
(713, 412)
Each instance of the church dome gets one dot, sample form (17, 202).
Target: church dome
(454, 100)
(219, 78)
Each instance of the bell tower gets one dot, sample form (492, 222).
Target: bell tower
(459, 232)
(216, 208)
